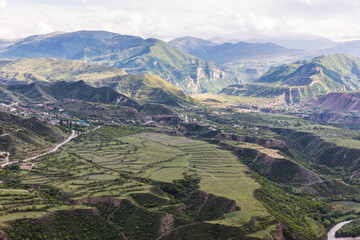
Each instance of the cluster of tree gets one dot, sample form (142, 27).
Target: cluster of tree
(294, 211)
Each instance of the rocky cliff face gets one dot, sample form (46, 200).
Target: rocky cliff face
(337, 102)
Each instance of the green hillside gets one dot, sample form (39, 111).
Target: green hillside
(62, 90)
(26, 137)
(52, 70)
(153, 56)
(304, 79)
(143, 87)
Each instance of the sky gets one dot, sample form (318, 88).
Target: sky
(166, 19)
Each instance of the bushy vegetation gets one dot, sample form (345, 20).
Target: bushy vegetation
(351, 229)
(296, 212)
(74, 224)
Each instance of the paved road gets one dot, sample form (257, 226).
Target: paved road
(72, 136)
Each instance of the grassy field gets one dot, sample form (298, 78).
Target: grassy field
(215, 99)
(344, 206)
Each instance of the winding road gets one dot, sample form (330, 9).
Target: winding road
(72, 136)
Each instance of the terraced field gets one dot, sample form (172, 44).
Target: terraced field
(93, 169)
(79, 177)
(220, 171)
(114, 166)
(19, 203)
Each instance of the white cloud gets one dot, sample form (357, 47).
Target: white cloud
(42, 27)
(3, 4)
(239, 19)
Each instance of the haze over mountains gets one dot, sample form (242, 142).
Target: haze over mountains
(229, 52)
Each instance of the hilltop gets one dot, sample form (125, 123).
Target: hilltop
(229, 52)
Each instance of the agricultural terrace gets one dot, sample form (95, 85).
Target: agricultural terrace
(17, 203)
(111, 162)
(220, 171)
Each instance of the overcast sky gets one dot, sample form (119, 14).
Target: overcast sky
(166, 19)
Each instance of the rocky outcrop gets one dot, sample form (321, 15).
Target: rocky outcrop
(278, 233)
(166, 223)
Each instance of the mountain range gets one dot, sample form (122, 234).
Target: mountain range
(349, 48)
(229, 52)
(190, 64)
(242, 61)
(133, 54)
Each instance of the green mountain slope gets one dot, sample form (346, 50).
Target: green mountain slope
(304, 79)
(147, 87)
(153, 56)
(52, 70)
(26, 137)
(61, 90)
(143, 87)
(134, 54)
